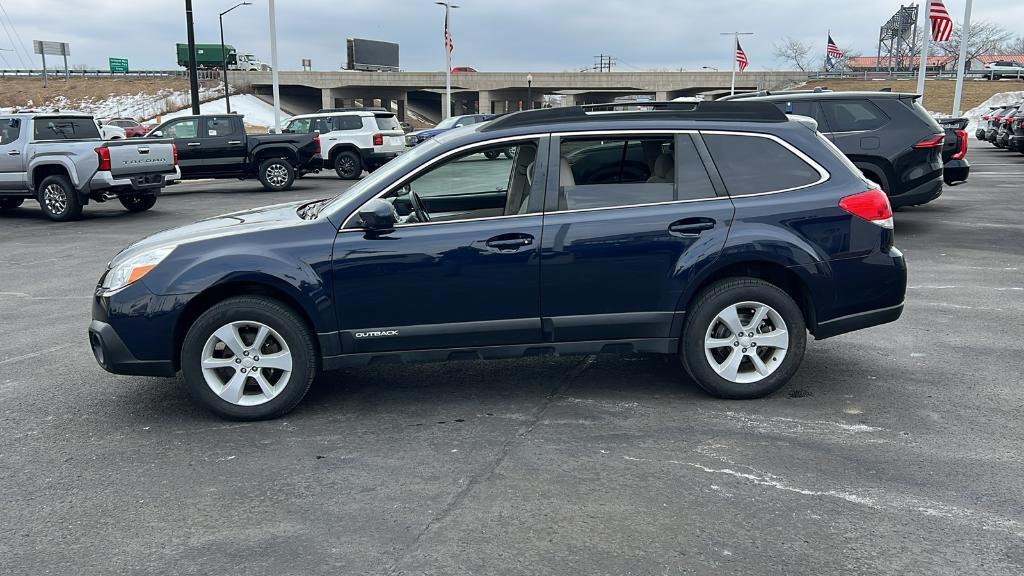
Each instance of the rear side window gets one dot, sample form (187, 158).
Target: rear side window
(322, 125)
(67, 128)
(350, 122)
(755, 164)
(298, 126)
(387, 122)
(853, 115)
(805, 108)
(10, 130)
(218, 127)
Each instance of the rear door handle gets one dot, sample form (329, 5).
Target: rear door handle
(234, 141)
(690, 227)
(510, 242)
(195, 143)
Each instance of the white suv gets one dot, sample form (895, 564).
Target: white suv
(1003, 68)
(353, 140)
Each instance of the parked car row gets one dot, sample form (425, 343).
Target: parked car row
(1003, 127)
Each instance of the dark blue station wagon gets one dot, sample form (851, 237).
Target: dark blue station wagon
(721, 233)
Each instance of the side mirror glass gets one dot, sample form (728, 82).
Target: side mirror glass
(459, 125)
(378, 215)
(157, 133)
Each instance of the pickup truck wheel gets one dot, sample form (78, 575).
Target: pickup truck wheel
(276, 174)
(249, 358)
(10, 203)
(348, 165)
(58, 199)
(743, 338)
(138, 202)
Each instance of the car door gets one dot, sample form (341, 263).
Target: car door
(223, 145)
(12, 159)
(630, 220)
(185, 134)
(465, 275)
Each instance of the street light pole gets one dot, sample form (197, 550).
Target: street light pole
(529, 91)
(224, 54)
(446, 111)
(274, 81)
(193, 74)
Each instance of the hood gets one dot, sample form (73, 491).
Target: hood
(428, 133)
(255, 220)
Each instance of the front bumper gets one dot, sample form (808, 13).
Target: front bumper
(113, 356)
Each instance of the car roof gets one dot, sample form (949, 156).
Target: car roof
(827, 95)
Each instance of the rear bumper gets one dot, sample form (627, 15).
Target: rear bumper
(956, 171)
(371, 157)
(113, 356)
(873, 290)
(1015, 142)
(858, 321)
(104, 180)
(921, 194)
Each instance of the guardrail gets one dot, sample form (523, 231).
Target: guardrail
(182, 73)
(887, 75)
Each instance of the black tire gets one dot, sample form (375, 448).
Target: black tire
(276, 174)
(281, 319)
(492, 154)
(348, 165)
(701, 317)
(10, 203)
(59, 199)
(138, 202)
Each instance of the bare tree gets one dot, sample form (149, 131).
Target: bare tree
(1015, 46)
(794, 53)
(985, 38)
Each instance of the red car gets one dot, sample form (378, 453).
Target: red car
(463, 69)
(132, 129)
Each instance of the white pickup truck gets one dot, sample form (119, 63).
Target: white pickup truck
(60, 160)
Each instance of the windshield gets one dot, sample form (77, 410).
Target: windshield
(448, 122)
(401, 164)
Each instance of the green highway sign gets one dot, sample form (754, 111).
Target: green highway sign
(118, 64)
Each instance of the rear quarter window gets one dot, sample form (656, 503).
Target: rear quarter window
(387, 122)
(752, 164)
(853, 115)
(67, 128)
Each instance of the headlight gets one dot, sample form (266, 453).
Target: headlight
(124, 273)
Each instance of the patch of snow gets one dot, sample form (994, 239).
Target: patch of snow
(140, 106)
(256, 111)
(1001, 99)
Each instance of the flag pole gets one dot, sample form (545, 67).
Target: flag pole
(826, 48)
(925, 45)
(962, 64)
(735, 47)
(448, 64)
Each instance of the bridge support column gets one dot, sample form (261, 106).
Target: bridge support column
(326, 98)
(662, 96)
(484, 102)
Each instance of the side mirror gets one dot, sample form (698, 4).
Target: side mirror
(459, 125)
(378, 215)
(157, 133)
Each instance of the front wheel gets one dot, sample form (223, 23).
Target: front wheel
(138, 202)
(348, 165)
(10, 203)
(58, 199)
(249, 358)
(744, 338)
(276, 174)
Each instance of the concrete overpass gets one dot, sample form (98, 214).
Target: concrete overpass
(495, 92)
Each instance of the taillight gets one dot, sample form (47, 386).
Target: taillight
(962, 135)
(174, 153)
(378, 139)
(316, 138)
(872, 205)
(934, 141)
(985, 117)
(103, 153)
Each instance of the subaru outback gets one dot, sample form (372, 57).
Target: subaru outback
(720, 233)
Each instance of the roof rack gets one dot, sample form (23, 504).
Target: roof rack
(618, 111)
(816, 90)
(353, 109)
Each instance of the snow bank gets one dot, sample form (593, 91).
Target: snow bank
(1003, 98)
(256, 111)
(139, 106)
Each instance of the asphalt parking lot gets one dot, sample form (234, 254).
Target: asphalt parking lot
(895, 450)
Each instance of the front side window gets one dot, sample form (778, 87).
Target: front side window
(610, 172)
(186, 128)
(853, 115)
(755, 164)
(474, 184)
(10, 130)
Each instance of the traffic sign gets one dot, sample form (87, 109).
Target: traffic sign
(118, 64)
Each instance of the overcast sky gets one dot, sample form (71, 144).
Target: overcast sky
(490, 35)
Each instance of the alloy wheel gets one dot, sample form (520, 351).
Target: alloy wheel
(277, 175)
(346, 165)
(746, 342)
(246, 363)
(55, 198)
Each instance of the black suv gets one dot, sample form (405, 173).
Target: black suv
(720, 233)
(888, 135)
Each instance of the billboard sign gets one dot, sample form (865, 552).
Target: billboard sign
(372, 55)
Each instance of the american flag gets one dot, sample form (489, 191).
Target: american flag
(741, 56)
(831, 50)
(448, 43)
(942, 24)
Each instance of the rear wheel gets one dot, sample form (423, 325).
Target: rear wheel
(10, 203)
(743, 338)
(348, 165)
(58, 199)
(138, 202)
(276, 174)
(492, 154)
(249, 358)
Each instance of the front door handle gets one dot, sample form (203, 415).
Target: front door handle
(510, 242)
(690, 227)
(14, 153)
(234, 141)
(195, 143)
